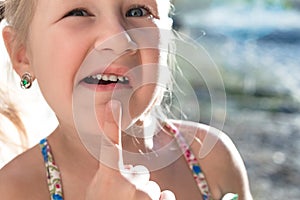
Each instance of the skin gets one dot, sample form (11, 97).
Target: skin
(83, 176)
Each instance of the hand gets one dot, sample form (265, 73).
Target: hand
(114, 180)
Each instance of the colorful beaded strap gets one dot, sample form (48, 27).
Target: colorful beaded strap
(192, 162)
(194, 165)
(53, 174)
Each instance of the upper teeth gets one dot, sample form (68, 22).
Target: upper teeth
(106, 77)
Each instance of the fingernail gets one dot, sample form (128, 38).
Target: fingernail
(115, 105)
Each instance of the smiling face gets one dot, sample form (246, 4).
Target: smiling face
(99, 48)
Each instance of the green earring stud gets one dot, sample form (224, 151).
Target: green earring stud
(26, 80)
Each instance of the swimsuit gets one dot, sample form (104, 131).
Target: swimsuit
(55, 184)
(53, 174)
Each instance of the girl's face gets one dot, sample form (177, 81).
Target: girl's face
(86, 52)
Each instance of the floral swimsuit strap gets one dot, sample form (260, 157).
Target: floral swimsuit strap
(194, 165)
(53, 174)
(191, 161)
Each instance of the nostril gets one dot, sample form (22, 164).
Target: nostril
(132, 47)
(119, 44)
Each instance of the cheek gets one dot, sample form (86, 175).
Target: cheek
(145, 92)
(141, 100)
(55, 63)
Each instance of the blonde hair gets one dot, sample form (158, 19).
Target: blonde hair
(8, 110)
(19, 14)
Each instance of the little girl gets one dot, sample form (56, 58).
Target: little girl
(102, 67)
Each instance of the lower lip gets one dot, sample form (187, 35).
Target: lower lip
(108, 87)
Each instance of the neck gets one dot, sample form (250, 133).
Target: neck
(79, 152)
(70, 153)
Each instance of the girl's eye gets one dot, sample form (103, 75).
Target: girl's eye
(77, 13)
(138, 12)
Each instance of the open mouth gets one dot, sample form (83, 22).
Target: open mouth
(106, 79)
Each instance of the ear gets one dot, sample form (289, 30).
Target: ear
(16, 51)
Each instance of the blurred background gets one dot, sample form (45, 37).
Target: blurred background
(255, 45)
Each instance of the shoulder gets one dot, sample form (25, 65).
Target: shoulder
(24, 177)
(218, 156)
(209, 139)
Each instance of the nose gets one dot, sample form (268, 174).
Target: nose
(114, 37)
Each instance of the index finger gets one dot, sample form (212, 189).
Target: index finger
(112, 149)
(111, 140)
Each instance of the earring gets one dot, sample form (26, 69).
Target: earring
(26, 80)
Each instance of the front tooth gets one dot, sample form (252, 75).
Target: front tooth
(121, 78)
(99, 76)
(105, 78)
(113, 78)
